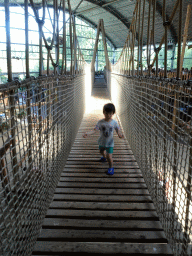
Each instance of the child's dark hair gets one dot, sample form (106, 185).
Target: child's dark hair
(109, 107)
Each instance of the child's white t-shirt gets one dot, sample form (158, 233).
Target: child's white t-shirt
(106, 132)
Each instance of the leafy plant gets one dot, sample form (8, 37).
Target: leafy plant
(21, 114)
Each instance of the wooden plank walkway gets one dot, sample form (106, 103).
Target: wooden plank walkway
(99, 214)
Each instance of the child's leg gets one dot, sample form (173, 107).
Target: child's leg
(103, 152)
(110, 160)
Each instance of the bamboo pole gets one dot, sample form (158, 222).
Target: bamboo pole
(179, 39)
(169, 22)
(64, 59)
(166, 27)
(8, 40)
(95, 47)
(26, 40)
(138, 53)
(70, 34)
(105, 46)
(143, 15)
(185, 35)
(148, 35)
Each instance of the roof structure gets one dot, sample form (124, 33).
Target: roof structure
(117, 16)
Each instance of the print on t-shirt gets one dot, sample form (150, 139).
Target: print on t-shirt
(106, 132)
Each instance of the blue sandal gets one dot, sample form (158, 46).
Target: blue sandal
(103, 159)
(110, 171)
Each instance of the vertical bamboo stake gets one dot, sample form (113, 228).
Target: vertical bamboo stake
(141, 47)
(138, 53)
(40, 49)
(148, 35)
(28, 103)
(70, 34)
(48, 56)
(40, 124)
(74, 46)
(26, 40)
(57, 37)
(166, 27)
(185, 35)
(179, 39)
(188, 202)
(8, 40)
(64, 59)
(14, 153)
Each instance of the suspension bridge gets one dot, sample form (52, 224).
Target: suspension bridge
(56, 198)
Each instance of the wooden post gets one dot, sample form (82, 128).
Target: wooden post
(185, 35)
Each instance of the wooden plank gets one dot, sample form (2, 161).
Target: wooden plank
(103, 224)
(101, 185)
(98, 163)
(125, 170)
(102, 198)
(102, 235)
(101, 205)
(62, 213)
(109, 248)
(99, 175)
(101, 180)
(102, 170)
(96, 151)
(109, 191)
(96, 157)
(97, 166)
(91, 209)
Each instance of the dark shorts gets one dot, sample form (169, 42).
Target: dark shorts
(109, 150)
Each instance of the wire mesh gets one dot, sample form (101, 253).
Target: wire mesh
(156, 118)
(38, 125)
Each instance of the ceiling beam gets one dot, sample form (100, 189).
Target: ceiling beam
(112, 10)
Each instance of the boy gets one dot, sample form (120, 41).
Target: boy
(106, 141)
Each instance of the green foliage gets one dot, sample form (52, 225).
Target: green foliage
(3, 79)
(21, 114)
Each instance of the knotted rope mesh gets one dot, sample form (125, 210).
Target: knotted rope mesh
(156, 118)
(40, 121)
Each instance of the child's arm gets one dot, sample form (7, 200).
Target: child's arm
(86, 134)
(119, 133)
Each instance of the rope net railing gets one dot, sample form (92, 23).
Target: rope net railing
(37, 132)
(156, 119)
(155, 113)
(38, 124)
